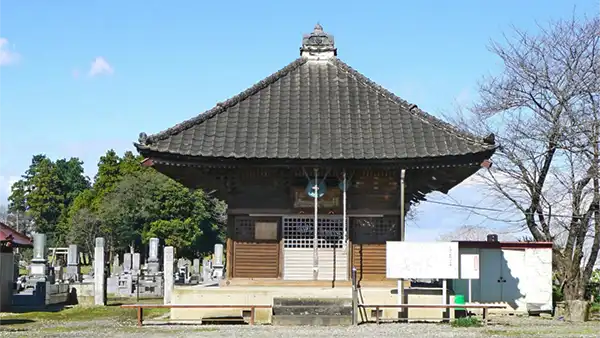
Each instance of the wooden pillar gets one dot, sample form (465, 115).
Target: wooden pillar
(229, 246)
(316, 227)
(402, 205)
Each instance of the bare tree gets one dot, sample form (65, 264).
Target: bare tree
(3, 213)
(474, 233)
(84, 230)
(17, 220)
(544, 111)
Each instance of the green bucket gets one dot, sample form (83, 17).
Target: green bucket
(459, 300)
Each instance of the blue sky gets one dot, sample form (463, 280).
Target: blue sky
(80, 77)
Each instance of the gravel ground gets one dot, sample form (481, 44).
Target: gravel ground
(501, 327)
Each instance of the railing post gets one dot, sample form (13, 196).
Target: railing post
(354, 298)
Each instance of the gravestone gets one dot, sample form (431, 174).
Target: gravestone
(127, 263)
(206, 269)
(135, 266)
(116, 266)
(196, 266)
(169, 257)
(218, 261)
(153, 263)
(38, 268)
(217, 265)
(99, 273)
(59, 273)
(181, 262)
(73, 269)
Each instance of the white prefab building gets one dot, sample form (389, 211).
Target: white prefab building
(516, 274)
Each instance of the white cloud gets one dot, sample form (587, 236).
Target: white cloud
(100, 67)
(7, 55)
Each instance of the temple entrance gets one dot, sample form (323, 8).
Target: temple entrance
(298, 247)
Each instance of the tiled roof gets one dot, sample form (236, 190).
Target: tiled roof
(9, 234)
(314, 109)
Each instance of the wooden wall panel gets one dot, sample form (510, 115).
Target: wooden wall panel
(255, 260)
(256, 247)
(369, 260)
(368, 236)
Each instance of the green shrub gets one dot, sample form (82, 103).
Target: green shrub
(595, 308)
(467, 322)
(557, 294)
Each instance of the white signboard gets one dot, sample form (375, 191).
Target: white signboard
(422, 260)
(469, 266)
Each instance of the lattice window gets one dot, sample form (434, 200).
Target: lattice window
(244, 229)
(252, 229)
(375, 230)
(298, 232)
(331, 233)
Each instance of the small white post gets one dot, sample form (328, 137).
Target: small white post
(401, 295)
(99, 276)
(470, 300)
(168, 257)
(445, 294)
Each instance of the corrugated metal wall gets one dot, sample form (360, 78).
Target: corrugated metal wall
(333, 264)
(7, 271)
(538, 277)
(255, 260)
(298, 264)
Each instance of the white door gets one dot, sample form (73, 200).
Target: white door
(490, 261)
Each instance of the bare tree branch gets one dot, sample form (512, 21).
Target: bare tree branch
(544, 110)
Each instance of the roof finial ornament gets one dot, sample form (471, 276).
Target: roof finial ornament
(143, 138)
(318, 44)
(318, 28)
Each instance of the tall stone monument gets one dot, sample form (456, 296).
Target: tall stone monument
(218, 263)
(153, 263)
(196, 266)
(73, 269)
(169, 261)
(39, 268)
(127, 262)
(99, 273)
(116, 266)
(136, 263)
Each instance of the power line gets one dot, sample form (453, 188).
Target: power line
(473, 207)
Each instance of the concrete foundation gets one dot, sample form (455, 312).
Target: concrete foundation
(264, 295)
